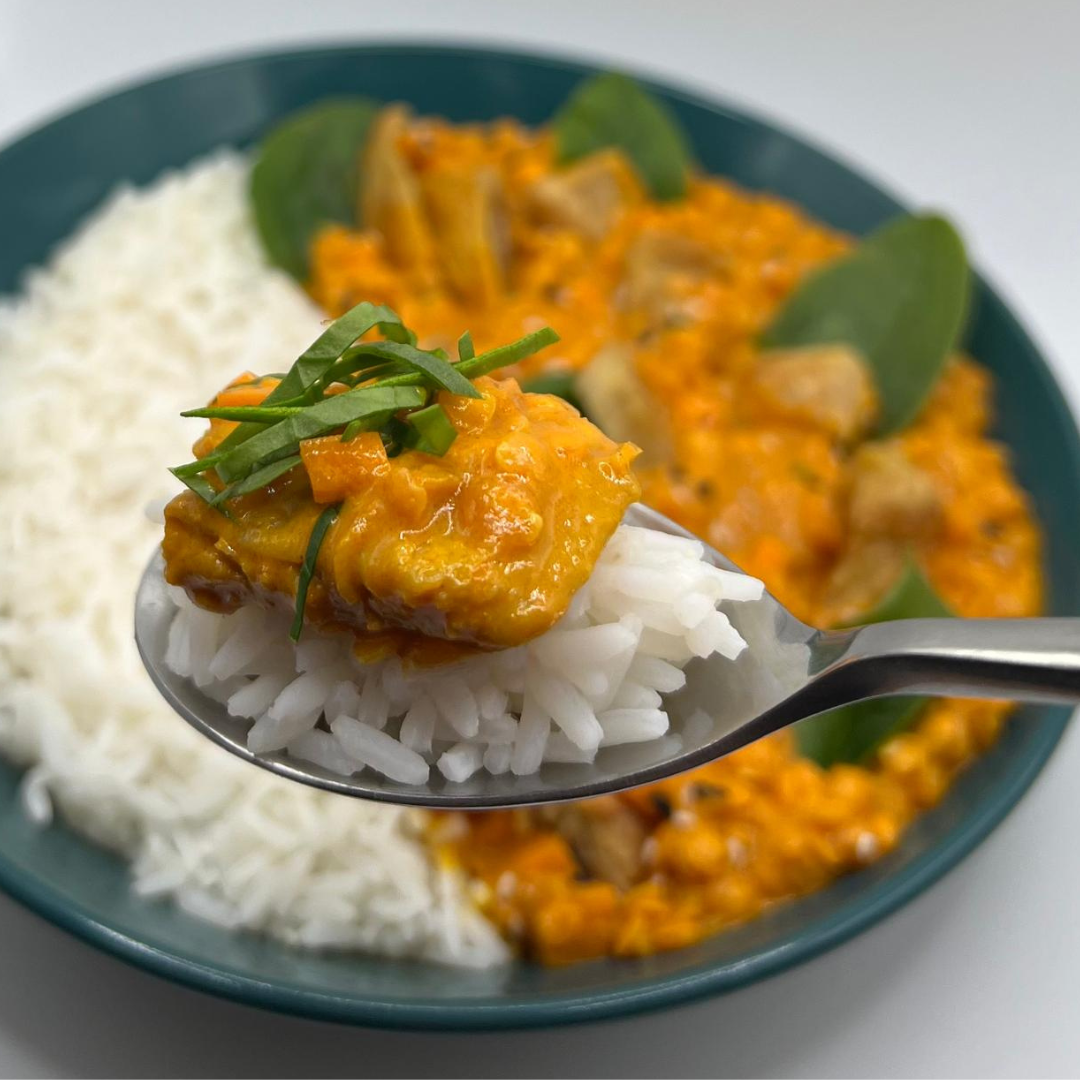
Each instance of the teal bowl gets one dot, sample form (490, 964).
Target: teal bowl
(53, 177)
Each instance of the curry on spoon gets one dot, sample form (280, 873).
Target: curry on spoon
(471, 625)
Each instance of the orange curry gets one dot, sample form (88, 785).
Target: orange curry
(768, 457)
(483, 546)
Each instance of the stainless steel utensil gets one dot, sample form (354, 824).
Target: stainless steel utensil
(790, 671)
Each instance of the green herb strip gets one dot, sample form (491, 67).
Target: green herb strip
(613, 111)
(307, 174)
(266, 442)
(429, 431)
(486, 362)
(195, 468)
(504, 355)
(197, 483)
(372, 403)
(900, 299)
(352, 371)
(332, 343)
(258, 414)
(307, 570)
(439, 371)
(320, 356)
(258, 479)
(852, 733)
(465, 348)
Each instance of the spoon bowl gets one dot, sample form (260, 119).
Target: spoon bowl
(788, 672)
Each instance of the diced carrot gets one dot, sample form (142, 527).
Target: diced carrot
(339, 469)
(246, 389)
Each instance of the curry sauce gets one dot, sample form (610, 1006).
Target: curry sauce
(483, 546)
(768, 457)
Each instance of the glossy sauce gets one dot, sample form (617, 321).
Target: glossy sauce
(484, 546)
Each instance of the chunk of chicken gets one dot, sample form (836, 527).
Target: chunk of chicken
(865, 573)
(657, 263)
(825, 386)
(588, 197)
(890, 497)
(892, 505)
(617, 401)
(466, 208)
(606, 836)
(390, 197)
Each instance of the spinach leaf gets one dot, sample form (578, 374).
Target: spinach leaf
(307, 174)
(900, 298)
(853, 732)
(612, 110)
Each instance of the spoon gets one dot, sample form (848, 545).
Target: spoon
(789, 671)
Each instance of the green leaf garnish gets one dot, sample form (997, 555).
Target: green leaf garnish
(267, 474)
(429, 431)
(257, 414)
(439, 370)
(307, 174)
(900, 299)
(307, 569)
(352, 430)
(853, 732)
(395, 380)
(308, 374)
(614, 111)
(374, 404)
(195, 482)
(465, 348)
(561, 385)
(195, 468)
(504, 355)
(313, 363)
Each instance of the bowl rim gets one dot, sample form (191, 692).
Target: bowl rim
(652, 992)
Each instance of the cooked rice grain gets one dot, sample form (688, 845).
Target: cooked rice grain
(593, 680)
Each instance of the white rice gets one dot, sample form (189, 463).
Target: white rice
(593, 680)
(158, 301)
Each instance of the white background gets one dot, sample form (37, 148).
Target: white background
(969, 106)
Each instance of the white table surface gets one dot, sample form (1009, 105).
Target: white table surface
(969, 106)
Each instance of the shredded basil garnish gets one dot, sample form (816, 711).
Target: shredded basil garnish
(307, 570)
(391, 382)
(430, 431)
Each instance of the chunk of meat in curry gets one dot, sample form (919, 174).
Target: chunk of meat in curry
(485, 545)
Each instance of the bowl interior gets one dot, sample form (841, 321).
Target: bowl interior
(53, 177)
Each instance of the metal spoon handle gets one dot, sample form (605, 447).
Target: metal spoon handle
(1018, 659)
